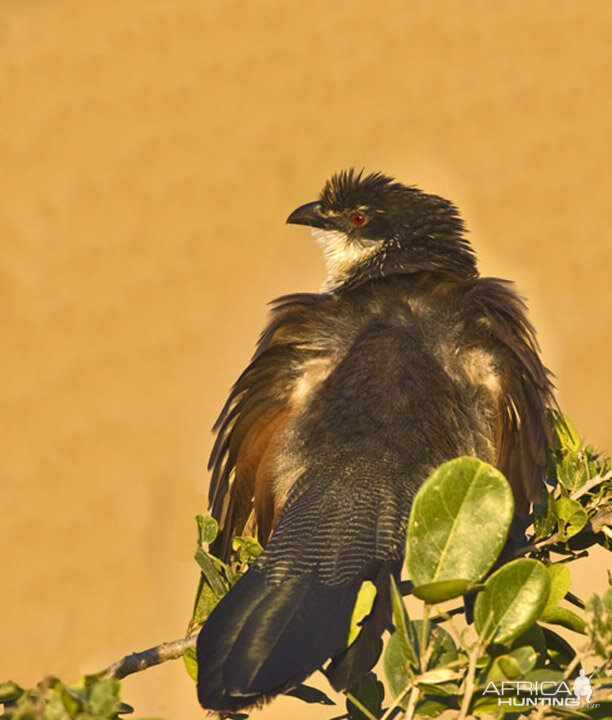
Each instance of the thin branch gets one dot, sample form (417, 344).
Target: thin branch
(575, 600)
(446, 615)
(398, 701)
(360, 706)
(590, 484)
(405, 587)
(415, 694)
(470, 684)
(576, 660)
(146, 658)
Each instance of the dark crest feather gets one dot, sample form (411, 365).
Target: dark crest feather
(351, 189)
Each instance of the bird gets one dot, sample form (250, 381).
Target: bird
(405, 358)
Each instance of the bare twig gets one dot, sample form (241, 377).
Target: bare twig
(470, 684)
(397, 702)
(590, 484)
(146, 658)
(445, 615)
(415, 694)
(575, 600)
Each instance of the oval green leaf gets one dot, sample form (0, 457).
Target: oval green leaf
(512, 600)
(191, 663)
(368, 691)
(396, 664)
(401, 656)
(571, 517)
(440, 591)
(208, 529)
(248, 547)
(533, 637)
(560, 579)
(9, 691)
(564, 617)
(566, 432)
(458, 524)
(557, 648)
(309, 694)
(517, 664)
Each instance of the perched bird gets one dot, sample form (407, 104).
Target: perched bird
(405, 359)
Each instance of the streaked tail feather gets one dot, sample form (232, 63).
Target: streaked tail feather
(263, 639)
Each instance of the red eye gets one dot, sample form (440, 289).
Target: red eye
(357, 219)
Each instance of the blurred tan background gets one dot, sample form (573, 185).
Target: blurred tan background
(149, 154)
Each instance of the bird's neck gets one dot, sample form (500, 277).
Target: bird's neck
(455, 265)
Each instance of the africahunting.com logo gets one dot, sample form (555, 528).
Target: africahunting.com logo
(525, 693)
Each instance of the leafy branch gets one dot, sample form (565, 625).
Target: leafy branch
(436, 663)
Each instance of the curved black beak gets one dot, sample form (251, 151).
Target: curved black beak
(309, 214)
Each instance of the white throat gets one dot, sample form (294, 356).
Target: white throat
(340, 255)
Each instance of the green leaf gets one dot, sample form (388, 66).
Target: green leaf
(249, 548)
(560, 579)
(191, 663)
(534, 637)
(564, 617)
(400, 659)
(571, 517)
(485, 706)
(310, 694)
(572, 470)
(513, 665)
(545, 675)
(397, 664)
(440, 680)
(55, 708)
(52, 700)
(559, 576)
(444, 590)
(443, 649)
(566, 432)
(512, 600)
(72, 703)
(104, 698)
(206, 601)
(211, 573)
(9, 691)
(458, 525)
(558, 649)
(363, 605)
(429, 708)
(606, 600)
(403, 627)
(370, 692)
(208, 529)
(571, 466)
(545, 518)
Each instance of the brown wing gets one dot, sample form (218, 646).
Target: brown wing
(524, 432)
(241, 491)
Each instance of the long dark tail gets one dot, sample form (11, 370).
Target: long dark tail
(264, 638)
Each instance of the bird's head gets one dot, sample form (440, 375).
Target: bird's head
(370, 226)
